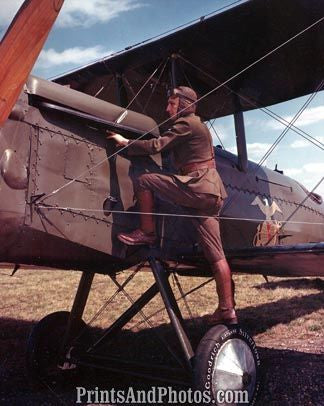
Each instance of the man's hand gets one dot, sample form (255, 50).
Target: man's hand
(119, 139)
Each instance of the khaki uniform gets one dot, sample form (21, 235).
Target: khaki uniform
(201, 190)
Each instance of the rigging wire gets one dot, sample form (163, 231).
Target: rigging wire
(301, 203)
(279, 139)
(290, 125)
(53, 391)
(114, 154)
(196, 20)
(181, 297)
(181, 291)
(283, 224)
(295, 118)
(110, 300)
(212, 126)
(74, 210)
(105, 87)
(156, 83)
(141, 88)
(201, 98)
(267, 154)
(233, 198)
(265, 110)
(162, 340)
(186, 77)
(135, 95)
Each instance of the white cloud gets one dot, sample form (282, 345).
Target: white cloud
(291, 172)
(76, 13)
(304, 143)
(8, 11)
(232, 149)
(309, 175)
(258, 147)
(310, 116)
(300, 144)
(257, 150)
(89, 12)
(315, 167)
(72, 56)
(219, 131)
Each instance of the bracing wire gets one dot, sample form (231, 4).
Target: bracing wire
(155, 85)
(142, 87)
(82, 210)
(265, 110)
(219, 138)
(295, 118)
(231, 200)
(201, 98)
(202, 18)
(301, 203)
(284, 223)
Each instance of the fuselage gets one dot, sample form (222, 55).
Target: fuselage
(64, 197)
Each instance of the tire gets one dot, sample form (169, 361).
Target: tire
(227, 367)
(44, 344)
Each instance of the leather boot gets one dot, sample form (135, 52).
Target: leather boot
(225, 313)
(145, 235)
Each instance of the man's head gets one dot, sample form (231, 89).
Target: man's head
(181, 102)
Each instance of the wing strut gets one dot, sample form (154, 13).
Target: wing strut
(241, 141)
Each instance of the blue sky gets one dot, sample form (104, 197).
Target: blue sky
(87, 30)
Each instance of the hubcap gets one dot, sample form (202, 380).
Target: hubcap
(234, 368)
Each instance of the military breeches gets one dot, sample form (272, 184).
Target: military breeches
(200, 204)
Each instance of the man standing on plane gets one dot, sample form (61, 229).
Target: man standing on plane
(197, 185)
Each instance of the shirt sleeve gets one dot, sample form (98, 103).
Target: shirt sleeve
(167, 141)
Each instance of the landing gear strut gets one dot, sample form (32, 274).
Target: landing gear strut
(225, 366)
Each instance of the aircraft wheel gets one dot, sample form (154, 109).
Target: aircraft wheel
(227, 367)
(44, 345)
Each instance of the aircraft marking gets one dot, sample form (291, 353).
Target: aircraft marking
(267, 232)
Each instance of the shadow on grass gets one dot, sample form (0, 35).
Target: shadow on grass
(293, 284)
(303, 369)
(258, 319)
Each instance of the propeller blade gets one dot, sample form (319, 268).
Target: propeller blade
(21, 46)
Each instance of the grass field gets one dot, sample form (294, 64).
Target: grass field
(285, 317)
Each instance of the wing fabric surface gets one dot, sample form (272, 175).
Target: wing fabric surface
(220, 47)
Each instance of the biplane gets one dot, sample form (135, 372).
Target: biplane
(67, 191)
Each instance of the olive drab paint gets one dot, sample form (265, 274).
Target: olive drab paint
(66, 191)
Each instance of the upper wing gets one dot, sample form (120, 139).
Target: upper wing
(213, 50)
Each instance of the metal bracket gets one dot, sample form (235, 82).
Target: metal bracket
(33, 200)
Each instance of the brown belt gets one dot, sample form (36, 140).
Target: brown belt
(195, 166)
